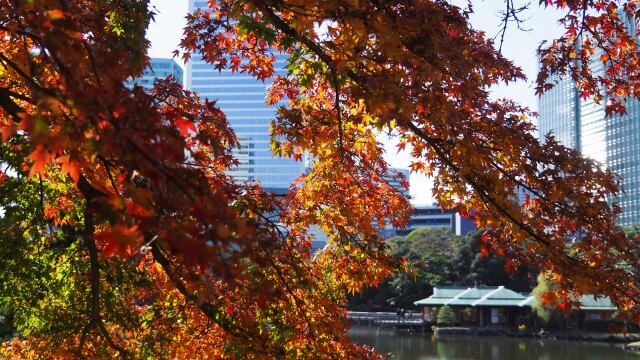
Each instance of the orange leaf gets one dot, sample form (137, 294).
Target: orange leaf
(118, 112)
(55, 14)
(6, 131)
(40, 158)
(70, 167)
(563, 306)
(549, 298)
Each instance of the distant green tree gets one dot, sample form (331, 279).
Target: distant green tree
(429, 251)
(438, 257)
(539, 306)
(632, 231)
(470, 266)
(446, 315)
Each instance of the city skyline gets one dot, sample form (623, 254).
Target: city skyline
(165, 31)
(242, 98)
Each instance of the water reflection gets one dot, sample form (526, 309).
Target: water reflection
(420, 346)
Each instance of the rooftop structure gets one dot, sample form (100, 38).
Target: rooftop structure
(432, 216)
(499, 306)
(498, 296)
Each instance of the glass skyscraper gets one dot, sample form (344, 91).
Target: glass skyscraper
(242, 98)
(558, 113)
(159, 68)
(613, 141)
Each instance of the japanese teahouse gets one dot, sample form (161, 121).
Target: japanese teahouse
(485, 306)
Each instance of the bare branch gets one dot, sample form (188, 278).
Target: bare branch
(511, 14)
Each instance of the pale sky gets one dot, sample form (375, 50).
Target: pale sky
(519, 46)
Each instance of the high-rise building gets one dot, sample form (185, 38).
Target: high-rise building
(242, 98)
(613, 141)
(396, 182)
(432, 216)
(158, 68)
(558, 112)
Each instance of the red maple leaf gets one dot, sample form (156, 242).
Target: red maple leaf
(119, 240)
(55, 14)
(185, 126)
(549, 298)
(484, 251)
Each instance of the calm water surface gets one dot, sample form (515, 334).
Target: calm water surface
(423, 346)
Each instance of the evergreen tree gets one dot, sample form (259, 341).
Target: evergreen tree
(446, 316)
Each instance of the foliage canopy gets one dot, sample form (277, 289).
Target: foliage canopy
(123, 235)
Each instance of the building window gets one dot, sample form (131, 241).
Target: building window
(497, 316)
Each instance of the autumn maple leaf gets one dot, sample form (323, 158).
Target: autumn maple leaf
(549, 298)
(70, 167)
(484, 251)
(119, 240)
(185, 126)
(40, 157)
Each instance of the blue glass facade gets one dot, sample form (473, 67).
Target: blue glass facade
(159, 68)
(558, 113)
(242, 98)
(623, 158)
(623, 153)
(614, 141)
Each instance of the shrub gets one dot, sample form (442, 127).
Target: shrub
(446, 315)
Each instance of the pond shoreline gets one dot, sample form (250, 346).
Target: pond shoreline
(633, 347)
(587, 336)
(411, 345)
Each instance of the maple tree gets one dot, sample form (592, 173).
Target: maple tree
(123, 234)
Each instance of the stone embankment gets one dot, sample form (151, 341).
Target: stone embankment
(633, 346)
(550, 335)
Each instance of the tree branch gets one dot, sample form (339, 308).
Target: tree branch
(91, 195)
(208, 309)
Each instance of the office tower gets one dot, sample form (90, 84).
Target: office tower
(158, 68)
(426, 216)
(558, 113)
(613, 141)
(242, 98)
(396, 182)
(432, 216)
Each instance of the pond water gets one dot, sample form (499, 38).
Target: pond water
(424, 346)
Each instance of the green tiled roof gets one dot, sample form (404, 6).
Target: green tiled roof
(527, 302)
(501, 297)
(589, 302)
(441, 295)
(498, 296)
(469, 296)
(447, 291)
(476, 296)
